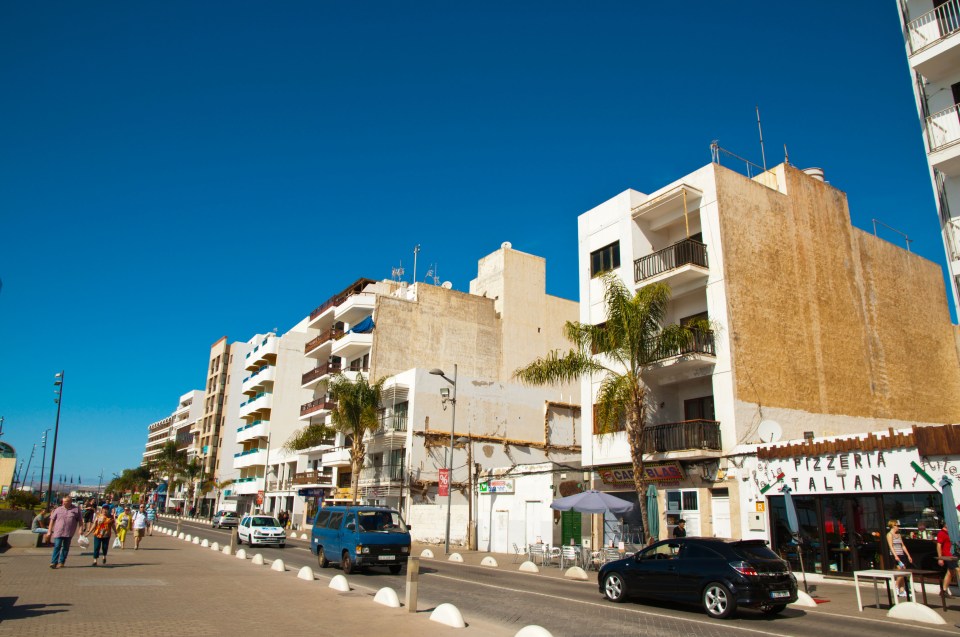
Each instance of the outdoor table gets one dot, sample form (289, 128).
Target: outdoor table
(923, 575)
(887, 577)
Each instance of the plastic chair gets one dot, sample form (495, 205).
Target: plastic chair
(554, 554)
(517, 552)
(570, 554)
(610, 554)
(537, 551)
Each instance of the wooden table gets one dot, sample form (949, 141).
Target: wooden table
(923, 575)
(876, 575)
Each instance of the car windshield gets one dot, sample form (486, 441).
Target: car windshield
(229, 514)
(261, 521)
(381, 521)
(755, 550)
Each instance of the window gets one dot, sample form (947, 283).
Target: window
(321, 520)
(693, 551)
(664, 551)
(605, 259)
(699, 409)
(335, 519)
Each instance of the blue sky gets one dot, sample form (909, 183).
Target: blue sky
(174, 172)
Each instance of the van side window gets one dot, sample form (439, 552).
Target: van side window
(336, 518)
(322, 517)
(351, 519)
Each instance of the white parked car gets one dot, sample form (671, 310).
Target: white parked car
(261, 529)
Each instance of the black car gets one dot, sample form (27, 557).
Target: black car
(720, 574)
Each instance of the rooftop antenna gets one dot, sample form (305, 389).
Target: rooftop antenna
(397, 273)
(786, 155)
(432, 274)
(416, 251)
(760, 128)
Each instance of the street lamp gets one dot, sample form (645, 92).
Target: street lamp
(58, 391)
(447, 397)
(43, 463)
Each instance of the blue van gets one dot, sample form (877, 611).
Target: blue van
(360, 536)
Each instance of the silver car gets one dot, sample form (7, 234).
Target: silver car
(225, 519)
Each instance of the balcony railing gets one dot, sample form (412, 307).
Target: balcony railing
(943, 128)
(317, 405)
(248, 452)
(311, 477)
(687, 251)
(933, 26)
(320, 370)
(683, 436)
(257, 397)
(331, 334)
(392, 422)
(337, 299)
(698, 343)
(382, 473)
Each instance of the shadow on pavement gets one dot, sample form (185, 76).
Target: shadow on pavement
(9, 610)
(746, 614)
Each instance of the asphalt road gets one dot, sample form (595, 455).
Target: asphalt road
(576, 609)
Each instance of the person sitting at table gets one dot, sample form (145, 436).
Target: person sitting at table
(900, 553)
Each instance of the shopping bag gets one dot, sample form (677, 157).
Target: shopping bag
(83, 541)
(116, 542)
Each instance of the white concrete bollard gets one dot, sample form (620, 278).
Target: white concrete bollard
(804, 601)
(241, 554)
(278, 566)
(388, 597)
(913, 611)
(455, 557)
(339, 583)
(215, 546)
(226, 550)
(449, 615)
(533, 631)
(205, 544)
(257, 560)
(427, 553)
(489, 561)
(306, 573)
(303, 536)
(529, 567)
(181, 536)
(196, 540)
(188, 538)
(576, 573)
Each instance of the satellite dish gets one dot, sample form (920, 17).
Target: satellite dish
(506, 245)
(769, 431)
(446, 285)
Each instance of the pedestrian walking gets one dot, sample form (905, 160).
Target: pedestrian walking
(900, 553)
(139, 526)
(151, 518)
(123, 525)
(946, 560)
(65, 521)
(104, 525)
(89, 511)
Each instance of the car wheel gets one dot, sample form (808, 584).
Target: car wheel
(347, 564)
(322, 558)
(774, 610)
(718, 601)
(395, 568)
(239, 540)
(614, 587)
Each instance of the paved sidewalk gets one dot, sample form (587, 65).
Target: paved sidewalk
(170, 587)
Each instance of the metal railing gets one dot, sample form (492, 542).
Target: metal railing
(934, 25)
(698, 343)
(320, 370)
(317, 405)
(355, 288)
(392, 422)
(682, 436)
(381, 473)
(943, 128)
(331, 334)
(311, 477)
(687, 251)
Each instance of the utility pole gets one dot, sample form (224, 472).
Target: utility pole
(58, 390)
(23, 478)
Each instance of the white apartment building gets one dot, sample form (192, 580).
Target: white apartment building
(821, 330)
(175, 428)
(931, 31)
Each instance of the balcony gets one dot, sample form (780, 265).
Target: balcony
(312, 478)
(316, 407)
(264, 374)
(336, 458)
(380, 474)
(247, 486)
(674, 363)
(250, 458)
(668, 208)
(260, 402)
(943, 133)
(320, 346)
(318, 374)
(355, 308)
(265, 352)
(352, 345)
(683, 263)
(255, 429)
(689, 435)
(934, 52)
(322, 311)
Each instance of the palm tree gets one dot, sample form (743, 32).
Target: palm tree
(191, 474)
(354, 415)
(633, 337)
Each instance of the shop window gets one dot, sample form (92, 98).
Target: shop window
(605, 259)
(683, 504)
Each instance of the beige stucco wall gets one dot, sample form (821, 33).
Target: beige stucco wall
(825, 318)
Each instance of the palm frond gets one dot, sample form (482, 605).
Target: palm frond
(554, 368)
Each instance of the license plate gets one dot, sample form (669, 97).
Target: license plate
(387, 557)
(779, 594)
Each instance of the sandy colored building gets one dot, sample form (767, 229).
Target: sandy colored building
(821, 330)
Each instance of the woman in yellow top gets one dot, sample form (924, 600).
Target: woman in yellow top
(103, 525)
(123, 525)
(900, 553)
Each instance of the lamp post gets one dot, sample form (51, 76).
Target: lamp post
(43, 462)
(58, 391)
(447, 397)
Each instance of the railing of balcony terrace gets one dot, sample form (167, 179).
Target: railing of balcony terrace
(316, 405)
(683, 436)
(698, 343)
(331, 334)
(320, 370)
(681, 253)
(934, 25)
